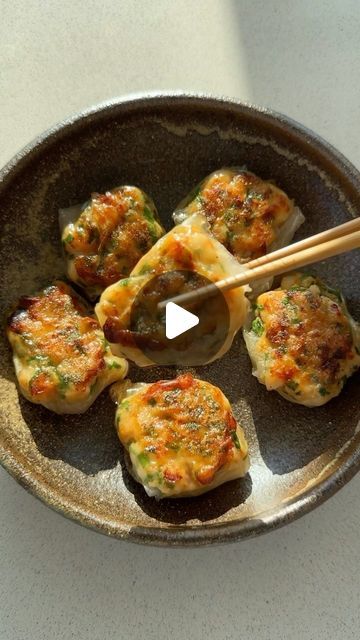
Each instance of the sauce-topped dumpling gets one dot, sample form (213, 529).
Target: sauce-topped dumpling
(187, 247)
(302, 341)
(61, 357)
(181, 436)
(104, 239)
(248, 215)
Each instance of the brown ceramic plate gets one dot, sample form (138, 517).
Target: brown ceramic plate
(166, 144)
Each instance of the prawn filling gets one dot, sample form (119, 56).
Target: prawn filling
(108, 237)
(181, 436)
(302, 341)
(60, 354)
(244, 212)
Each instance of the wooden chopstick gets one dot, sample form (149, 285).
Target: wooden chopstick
(276, 267)
(312, 241)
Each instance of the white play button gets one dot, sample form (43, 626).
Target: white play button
(178, 320)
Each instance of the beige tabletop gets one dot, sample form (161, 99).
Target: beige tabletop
(59, 580)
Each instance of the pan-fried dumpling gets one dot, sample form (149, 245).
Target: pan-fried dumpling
(248, 215)
(61, 357)
(104, 238)
(181, 436)
(302, 340)
(188, 246)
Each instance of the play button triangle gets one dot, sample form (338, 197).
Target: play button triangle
(178, 320)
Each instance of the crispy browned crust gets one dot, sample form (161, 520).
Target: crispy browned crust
(55, 326)
(111, 235)
(206, 439)
(319, 338)
(243, 211)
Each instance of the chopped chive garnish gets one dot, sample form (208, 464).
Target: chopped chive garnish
(292, 385)
(143, 459)
(235, 439)
(192, 426)
(145, 269)
(152, 231)
(64, 380)
(257, 326)
(323, 391)
(124, 282)
(147, 214)
(114, 365)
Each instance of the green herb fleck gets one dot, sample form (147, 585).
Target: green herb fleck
(192, 426)
(143, 459)
(292, 385)
(147, 214)
(228, 215)
(44, 360)
(144, 269)
(124, 282)
(257, 326)
(152, 231)
(255, 195)
(229, 236)
(152, 402)
(257, 307)
(235, 439)
(114, 365)
(64, 380)
(69, 238)
(323, 391)
(282, 348)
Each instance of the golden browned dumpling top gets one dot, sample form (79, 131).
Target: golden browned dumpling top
(105, 239)
(61, 357)
(248, 215)
(181, 436)
(303, 341)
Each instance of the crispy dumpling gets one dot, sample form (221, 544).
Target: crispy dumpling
(61, 357)
(181, 436)
(188, 246)
(104, 238)
(302, 340)
(248, 215)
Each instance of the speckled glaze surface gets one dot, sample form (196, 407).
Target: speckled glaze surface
(165, 145)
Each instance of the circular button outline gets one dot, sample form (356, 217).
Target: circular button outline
(194, 347)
